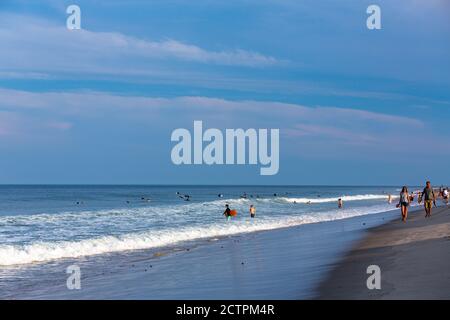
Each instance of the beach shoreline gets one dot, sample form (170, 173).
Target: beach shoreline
(324, 260)
(286, 263)
(413, 259)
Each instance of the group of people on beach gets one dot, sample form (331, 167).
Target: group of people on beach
(428, 196)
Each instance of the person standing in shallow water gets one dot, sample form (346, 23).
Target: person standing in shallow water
(340, 203)
(404, 202)
(252, 211)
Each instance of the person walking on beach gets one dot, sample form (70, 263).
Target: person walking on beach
(404, 202)
(429, 198)
(252, 211)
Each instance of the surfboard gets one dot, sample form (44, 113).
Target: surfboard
(233, 213)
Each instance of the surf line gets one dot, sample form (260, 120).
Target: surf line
(191, 150)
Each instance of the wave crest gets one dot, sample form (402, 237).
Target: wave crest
(47, 251)
(359, 197)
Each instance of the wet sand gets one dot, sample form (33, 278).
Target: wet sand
(414, 259)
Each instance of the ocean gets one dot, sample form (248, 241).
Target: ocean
(47, 223)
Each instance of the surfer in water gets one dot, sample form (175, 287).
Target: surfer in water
(227, 212)
(185, 197)
(340, 203)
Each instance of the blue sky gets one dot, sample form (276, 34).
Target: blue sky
(98, 105)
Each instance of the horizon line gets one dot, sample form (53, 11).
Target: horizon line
(201, 185)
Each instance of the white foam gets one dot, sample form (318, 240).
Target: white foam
(359, 197)
(46, 251)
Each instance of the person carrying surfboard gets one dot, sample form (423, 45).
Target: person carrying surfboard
(227, 212)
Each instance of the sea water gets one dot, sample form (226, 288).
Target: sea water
(47, 223)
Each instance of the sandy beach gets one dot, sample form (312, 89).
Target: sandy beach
(414, 259)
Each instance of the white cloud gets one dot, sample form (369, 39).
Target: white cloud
(329, 132)
(75, 102)
(36, 46)
(297, 122)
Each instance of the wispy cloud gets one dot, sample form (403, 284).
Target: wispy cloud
(60, 125)
(330, 133)
(60, 110)
(75, 102)
(361, 114)
(18, 126)
(24, 75)
(36, 46)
